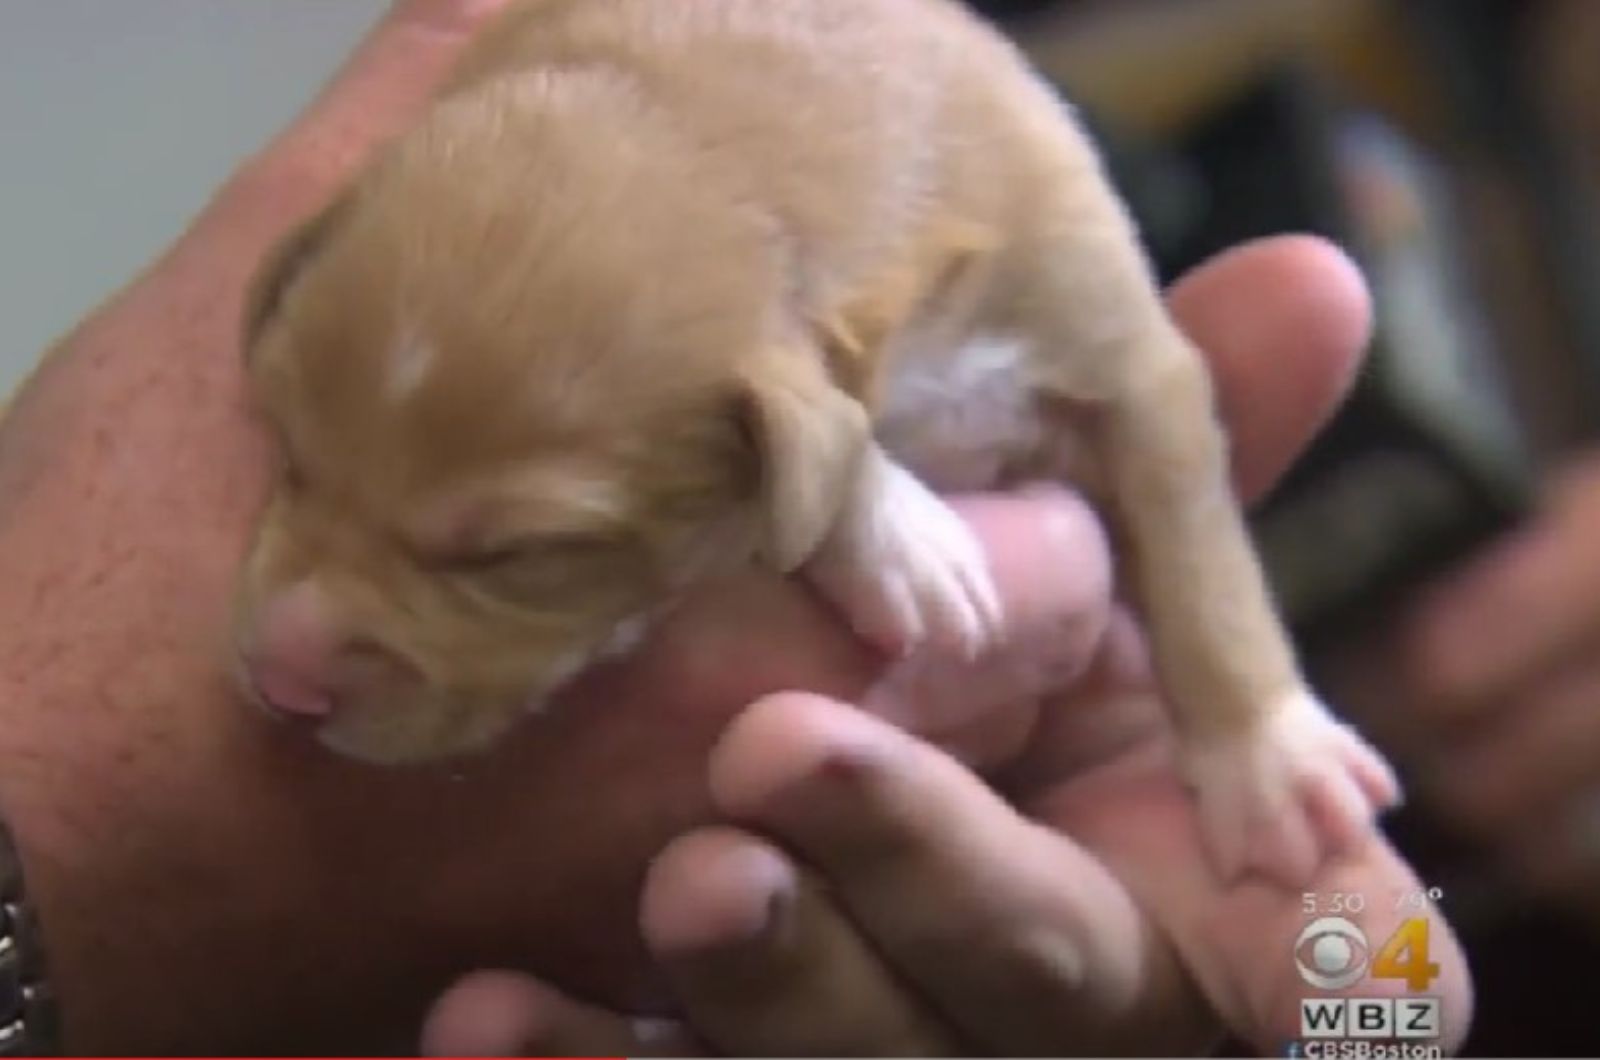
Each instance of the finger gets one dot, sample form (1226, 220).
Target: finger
(1283, 322)
(762, 963)
(1104, 716)
(497, 1013)
(1019, 940)
(380, 90)
(1240, 941)
(1560, 857)
(1461, 655)
(1052, 567)
(1051, 561)
(1517, 768)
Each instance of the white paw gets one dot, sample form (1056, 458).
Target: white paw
(1288, 795)
(906, 570)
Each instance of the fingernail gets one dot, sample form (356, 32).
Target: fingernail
(764, 925)
(776, 919)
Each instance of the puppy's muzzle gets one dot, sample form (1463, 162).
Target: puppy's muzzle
(299, 664)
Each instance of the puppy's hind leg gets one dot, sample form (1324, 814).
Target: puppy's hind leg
(1281, 785)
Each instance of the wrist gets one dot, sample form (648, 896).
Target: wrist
(29, 1021)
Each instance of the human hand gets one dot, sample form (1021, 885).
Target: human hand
(208, 882)
(1496, 674)
(876, 898)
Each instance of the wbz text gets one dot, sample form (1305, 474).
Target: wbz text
(1368, 1028)
(1370, 1017)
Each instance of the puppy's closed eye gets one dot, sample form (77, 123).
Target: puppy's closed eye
(483, 560)
(547, 550)
(539, 569)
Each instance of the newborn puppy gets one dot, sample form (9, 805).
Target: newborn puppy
(660, 289)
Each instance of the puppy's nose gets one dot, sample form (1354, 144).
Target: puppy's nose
(294, 654)
(287, 692)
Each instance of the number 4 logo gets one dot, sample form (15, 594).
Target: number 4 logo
(1405, 956)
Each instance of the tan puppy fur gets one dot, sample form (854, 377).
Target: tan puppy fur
(661, 287)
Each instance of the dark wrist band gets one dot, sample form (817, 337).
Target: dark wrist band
(29, 1023)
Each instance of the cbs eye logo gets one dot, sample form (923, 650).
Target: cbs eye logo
(1331, 953)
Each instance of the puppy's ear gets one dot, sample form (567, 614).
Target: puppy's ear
(283, 264)
(810, 437)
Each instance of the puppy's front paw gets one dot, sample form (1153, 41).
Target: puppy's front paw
(1288, 794)
(906, 570)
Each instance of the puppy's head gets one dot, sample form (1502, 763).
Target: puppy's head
(513, 421)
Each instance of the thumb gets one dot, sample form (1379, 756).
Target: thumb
(498, 1013)
(385, 84)
(382, 88)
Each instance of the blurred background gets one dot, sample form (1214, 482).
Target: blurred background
(1452, 146)
(1442, 584)
(118, 118)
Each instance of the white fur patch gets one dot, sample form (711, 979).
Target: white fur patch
(408, 365)
(952, 416)
(628, 635)
(623, 639)
(906, 569)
